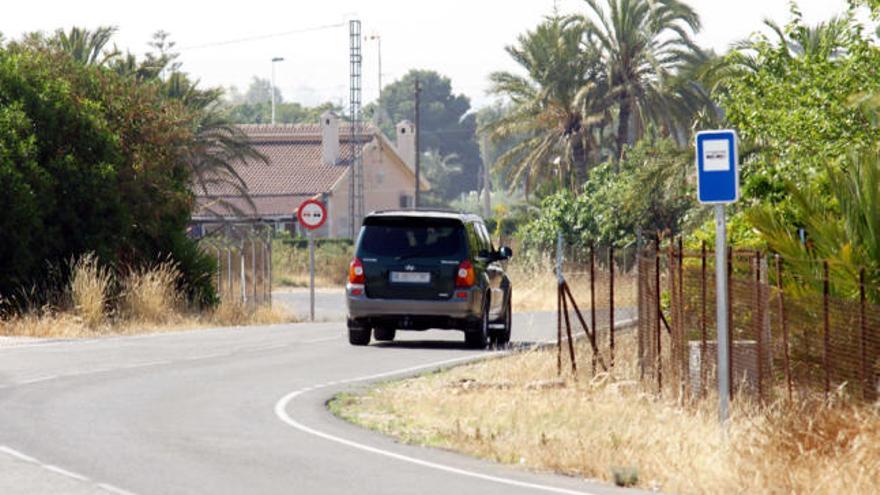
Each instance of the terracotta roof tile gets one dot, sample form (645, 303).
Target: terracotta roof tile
(295, 170)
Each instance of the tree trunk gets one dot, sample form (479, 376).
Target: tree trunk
(579, 157)
(623, 124)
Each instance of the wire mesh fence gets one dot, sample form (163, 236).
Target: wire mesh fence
(596, 293)
(244, 260)
(791, 335)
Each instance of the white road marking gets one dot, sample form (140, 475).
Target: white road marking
(64, 472)
(61, 471)
(281, 412)
(37, 379)
(18, 455)
(113, 489)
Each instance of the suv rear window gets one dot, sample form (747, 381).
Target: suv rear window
(411, 238)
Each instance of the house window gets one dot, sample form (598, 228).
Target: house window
(380, 177)
(406, 201)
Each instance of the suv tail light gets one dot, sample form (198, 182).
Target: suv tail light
(356, 272)
(465, 276)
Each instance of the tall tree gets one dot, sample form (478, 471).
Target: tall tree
(643, 43)
(85, 46)
(559, 106)
(447, 123)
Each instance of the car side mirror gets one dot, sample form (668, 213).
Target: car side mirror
(505, 253)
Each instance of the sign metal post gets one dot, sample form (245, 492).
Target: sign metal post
(718, 184)
(311, 215)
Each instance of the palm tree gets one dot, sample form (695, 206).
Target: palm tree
(218, 144)
(557, 107)
(642, 44)
(85, 46)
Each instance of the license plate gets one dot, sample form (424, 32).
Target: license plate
(411, 277)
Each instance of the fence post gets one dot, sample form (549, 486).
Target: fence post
(559, 296)
(610, 303)
(659, 363)
(867, 392)
(219, 272)
(229, 274)
(271, 275)
(703, 322)
(730, 344)
(673, 310)
(562, 287)
(642, 312)
(826, 327)
(757, 323)
(593, 286)
(243, 272)
(254, 269)
(782, 317)
(682, 340)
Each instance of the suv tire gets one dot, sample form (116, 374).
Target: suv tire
(478, 338)
(384, 334)
(501, 336)
(358, 334)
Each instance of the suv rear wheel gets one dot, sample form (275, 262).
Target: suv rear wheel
(478, 338)
(384, 334)
(501, 336)
(358, 334)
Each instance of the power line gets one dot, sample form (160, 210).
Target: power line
(263, 37)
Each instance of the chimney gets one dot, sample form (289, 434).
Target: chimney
(329, 138)
(406, 142)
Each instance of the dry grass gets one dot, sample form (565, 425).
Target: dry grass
(515, 410)
(290, 265)
(90, 289)
(151, 295)
(534, 284)
(148, 301)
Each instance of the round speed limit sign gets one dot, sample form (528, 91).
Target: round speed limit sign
(311, 214)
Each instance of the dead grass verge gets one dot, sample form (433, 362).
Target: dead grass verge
(515, 410)
(147, 300)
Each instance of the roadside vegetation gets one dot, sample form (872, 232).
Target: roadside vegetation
(101, 301)
(290, 262)
(515, 410)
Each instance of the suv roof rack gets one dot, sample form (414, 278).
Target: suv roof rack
(405, 211)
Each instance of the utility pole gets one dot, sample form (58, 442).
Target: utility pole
(418, 150)
(272, 89)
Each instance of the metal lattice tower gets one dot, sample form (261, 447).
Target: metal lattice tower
(356, 169)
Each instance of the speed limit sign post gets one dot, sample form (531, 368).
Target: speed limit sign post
(311, 215)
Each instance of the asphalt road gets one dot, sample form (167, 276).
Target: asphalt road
(329, 303)
(232, 411)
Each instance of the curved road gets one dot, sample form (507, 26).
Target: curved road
(235, 411)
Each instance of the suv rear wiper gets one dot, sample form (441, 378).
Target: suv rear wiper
(407, 256)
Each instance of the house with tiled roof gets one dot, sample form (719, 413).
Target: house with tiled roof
(313, 161)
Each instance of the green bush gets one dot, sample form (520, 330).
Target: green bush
(91, 161)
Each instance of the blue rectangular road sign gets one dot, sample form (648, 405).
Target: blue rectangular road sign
(717, 167)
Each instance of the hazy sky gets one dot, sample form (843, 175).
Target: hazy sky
(464, 40)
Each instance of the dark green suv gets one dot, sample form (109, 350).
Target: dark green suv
(418, 269)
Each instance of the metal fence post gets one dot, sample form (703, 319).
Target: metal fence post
(757, 321)
(867, 393)
(610, 303)
(559, 302)
(659, 314)
(243, 271)
(826, 327)
(703, 322)
(254, 268)
(593, 286)
(782, 317)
